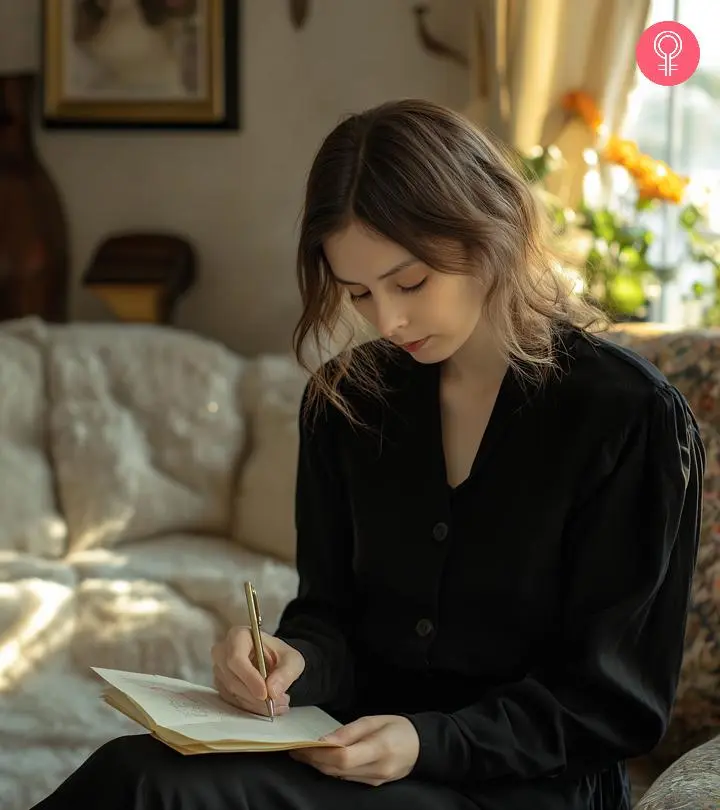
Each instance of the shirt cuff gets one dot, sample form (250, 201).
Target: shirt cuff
(435, 761)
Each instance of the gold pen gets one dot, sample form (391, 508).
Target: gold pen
(255, 625)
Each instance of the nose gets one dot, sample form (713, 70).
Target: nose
(390, 316)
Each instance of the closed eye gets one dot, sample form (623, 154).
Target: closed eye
(360, 297)
(415, 287)
(412, 289)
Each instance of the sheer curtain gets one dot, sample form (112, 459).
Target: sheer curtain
(526, 54)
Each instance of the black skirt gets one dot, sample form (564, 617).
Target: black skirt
(138, 772)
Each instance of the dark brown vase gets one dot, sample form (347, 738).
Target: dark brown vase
(33, 232)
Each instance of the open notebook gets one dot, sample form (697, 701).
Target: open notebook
(194, 719)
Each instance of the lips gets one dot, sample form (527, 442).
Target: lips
(414, 345)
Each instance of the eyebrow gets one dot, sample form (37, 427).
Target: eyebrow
(391, 272)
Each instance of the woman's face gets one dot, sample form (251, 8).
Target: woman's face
(428, 313)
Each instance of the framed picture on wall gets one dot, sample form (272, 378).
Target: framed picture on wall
(141, 64)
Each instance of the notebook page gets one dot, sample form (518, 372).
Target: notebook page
(300, 724)
(169, 701)
(200, 713)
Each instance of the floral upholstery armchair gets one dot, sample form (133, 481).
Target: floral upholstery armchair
(686, 764)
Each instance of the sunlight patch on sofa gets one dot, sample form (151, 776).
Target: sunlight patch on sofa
(41, 622)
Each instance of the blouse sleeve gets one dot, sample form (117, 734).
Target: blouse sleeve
(605, 689)
(317, 621)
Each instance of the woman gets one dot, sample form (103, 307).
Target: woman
(497, 514)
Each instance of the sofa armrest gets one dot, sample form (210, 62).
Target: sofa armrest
(690, 783)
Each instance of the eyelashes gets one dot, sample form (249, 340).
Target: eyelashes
(404, 290)
(415, 287)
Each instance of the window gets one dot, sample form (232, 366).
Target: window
(681, 125)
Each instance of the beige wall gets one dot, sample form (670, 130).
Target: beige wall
(237, 196)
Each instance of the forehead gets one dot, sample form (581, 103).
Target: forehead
(359, 254)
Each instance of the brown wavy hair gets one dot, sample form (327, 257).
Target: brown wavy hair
(429, 180)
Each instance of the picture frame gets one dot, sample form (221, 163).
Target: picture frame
(141, 64)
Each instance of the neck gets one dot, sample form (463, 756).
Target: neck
(478, 361)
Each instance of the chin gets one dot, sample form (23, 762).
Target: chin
(425, 361)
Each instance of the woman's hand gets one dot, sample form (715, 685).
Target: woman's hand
(376, 750)
(238, 679)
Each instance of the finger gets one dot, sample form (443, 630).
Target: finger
(250, 705)
(355, 731)
(368, 774)
(358, 759)
(278, 710)
(236, 696)
(271, 657)
(314, 756)
(353, 760)
(308, 756)
(270, 654)
(239, 683)
(285, 673)
(235, 685)
(234, 691)
(239, 664)
(229, 680)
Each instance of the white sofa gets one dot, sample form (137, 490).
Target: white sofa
(145, 473)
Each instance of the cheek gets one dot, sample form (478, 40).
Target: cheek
(364, 308)
(459, 298)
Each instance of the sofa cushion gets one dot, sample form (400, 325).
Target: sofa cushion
(30, 520)
(146, 430)
(37, 620)
(265, 501)
(15, 567)
(206, 573)
(159, 605)
(142, 626)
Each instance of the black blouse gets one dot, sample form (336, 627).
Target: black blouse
(529, 622)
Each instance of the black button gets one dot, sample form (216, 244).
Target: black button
(424, 627)
(440, 531)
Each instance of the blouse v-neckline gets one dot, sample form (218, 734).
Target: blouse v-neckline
(509, 399)
(513, 395)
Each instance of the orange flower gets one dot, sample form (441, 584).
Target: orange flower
(582, 103)
(620, 151)
(660, 182)
(643, 167)
(654, 179)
